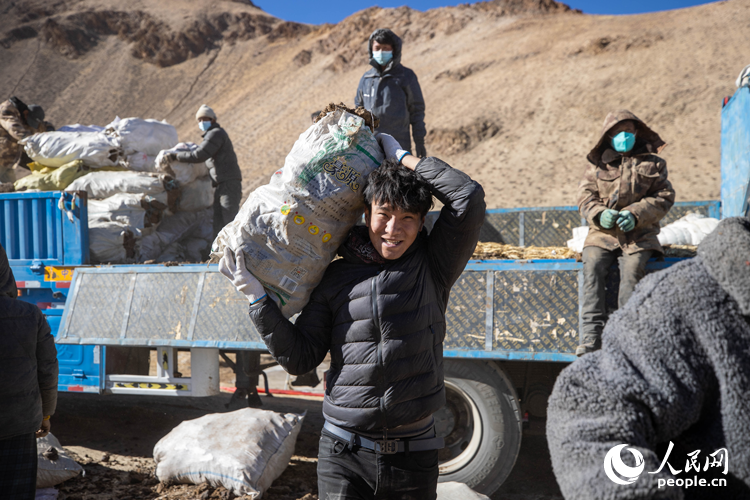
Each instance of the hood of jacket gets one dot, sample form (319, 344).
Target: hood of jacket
(397, 43)
(7, 281)
(725, 254)
(647, 141)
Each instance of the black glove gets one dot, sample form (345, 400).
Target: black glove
(420, 150)
(172, 157)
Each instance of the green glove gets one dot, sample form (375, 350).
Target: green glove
(626, 221)
(608, 218)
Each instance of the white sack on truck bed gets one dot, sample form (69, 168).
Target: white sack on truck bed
(291, 228)
(55, 149)
(198, 195)
(112, 242)
(184, 173)
(140, 162)
(173, 229)
(100, 185)
(136, 210)
(244, 451)
(687, 230)
(145, 136)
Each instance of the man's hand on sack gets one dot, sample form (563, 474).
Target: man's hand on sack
(232, 265)
(172, 157)
(43, 429)
(391, 147)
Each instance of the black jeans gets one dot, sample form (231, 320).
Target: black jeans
(360, 474)
(18, 466)
(226, 204)
(596, 264)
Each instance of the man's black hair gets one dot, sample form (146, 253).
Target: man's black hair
(383, 37)
(399, 187)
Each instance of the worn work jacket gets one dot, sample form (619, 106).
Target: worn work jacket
(218, 153)
(637, 183)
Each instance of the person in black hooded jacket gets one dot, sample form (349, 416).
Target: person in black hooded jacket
(391, 92)
(380, 312)
(28, 393)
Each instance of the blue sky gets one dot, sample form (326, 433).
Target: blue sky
(333, 11)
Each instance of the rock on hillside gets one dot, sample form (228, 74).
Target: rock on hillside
(515, 89)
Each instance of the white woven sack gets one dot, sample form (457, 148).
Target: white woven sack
(140, 162)
(243, 451)
(100, 185)
(184, 173)
(290, 228)
(173, 229)
(55, 149)
(53, 471)
(107, 241)
(145, 136)
(198, 195)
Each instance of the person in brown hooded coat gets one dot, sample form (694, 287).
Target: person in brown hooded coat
(623, 195)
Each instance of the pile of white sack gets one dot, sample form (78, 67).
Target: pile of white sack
(687, 230)
(139, 209)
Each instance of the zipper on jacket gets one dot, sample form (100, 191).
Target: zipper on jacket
(376, 319)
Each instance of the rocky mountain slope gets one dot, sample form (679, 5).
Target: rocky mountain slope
(516, 90)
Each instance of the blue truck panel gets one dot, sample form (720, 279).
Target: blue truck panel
(37, 234)
(735, 157)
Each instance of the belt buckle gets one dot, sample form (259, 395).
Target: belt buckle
(388, 446)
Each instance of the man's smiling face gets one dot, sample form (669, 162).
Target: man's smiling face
(392, 231)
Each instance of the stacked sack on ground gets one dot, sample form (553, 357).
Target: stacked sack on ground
(139, 209)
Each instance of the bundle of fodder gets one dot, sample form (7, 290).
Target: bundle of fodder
(680, 251)
(498, 251)
(289, 229)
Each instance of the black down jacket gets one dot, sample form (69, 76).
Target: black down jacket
(384, 324)
(28, 361)
(674, 367)
(218, 153)
(393, 95)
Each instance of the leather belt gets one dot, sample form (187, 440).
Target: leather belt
(385, 446)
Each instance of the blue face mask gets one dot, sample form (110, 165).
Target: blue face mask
(382, 57)
(204, 125)
(623, 142)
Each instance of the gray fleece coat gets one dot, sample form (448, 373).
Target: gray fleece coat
(28, 361)
(674, 366)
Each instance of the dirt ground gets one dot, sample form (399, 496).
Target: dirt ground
(113, 437)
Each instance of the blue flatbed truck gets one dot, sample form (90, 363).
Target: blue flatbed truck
(512, 325)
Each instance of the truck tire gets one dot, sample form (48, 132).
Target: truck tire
(481, 423)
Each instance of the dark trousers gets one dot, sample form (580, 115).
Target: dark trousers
(360, 474)
(596, 264)
(226, 204)
(18, 464)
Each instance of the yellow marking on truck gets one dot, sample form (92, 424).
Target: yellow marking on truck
(52, 273)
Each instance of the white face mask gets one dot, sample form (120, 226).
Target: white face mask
(204, 125)
(383, 57)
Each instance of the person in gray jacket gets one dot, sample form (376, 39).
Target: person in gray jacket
(218, 153)
(380, 312)
(669, 388)
(28, 393)
(391, 92)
